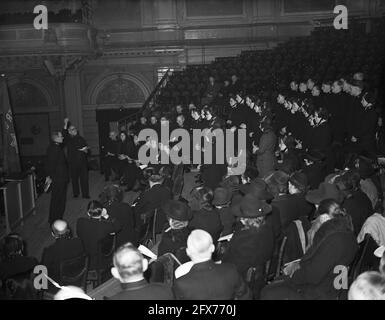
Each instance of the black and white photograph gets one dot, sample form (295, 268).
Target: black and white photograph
(206, 151)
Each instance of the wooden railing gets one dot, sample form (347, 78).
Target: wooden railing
(148, 104)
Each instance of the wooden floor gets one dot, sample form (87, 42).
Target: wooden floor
(36, 230)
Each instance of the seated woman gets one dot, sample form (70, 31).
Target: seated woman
(312, 278)
(111, 198)
(204, 215)
(252, 244)
(174, 238)
(327, 208)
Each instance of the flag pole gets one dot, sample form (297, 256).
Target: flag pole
(9, 132)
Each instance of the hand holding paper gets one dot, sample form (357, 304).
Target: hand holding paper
(147, 252)
(291, 267)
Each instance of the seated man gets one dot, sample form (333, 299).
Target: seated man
(96, 227)
(129, 266)
(174, 238)
(151, 199)
(368, 286)
(112, 198)
(14, 261)
(207, 280)
(65, 247)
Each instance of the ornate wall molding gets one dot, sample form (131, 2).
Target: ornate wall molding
(47, 94)
(98, 84)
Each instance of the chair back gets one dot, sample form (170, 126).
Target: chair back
(296, 242)
(365, 259)
(147, 231)
(177, 187)
(74, 271)
(105, 252)
(280, 257)
(256, 279)
(106, 249)
(162, 269)
(106, 246)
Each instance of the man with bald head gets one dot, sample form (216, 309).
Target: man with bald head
(64, 248)
(207, 280)
(129, 266)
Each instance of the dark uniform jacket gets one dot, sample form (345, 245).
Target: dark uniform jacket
(336, 108)
(212, 174)
(210, 281)
(142, 290)
(315, 174)
(228, 220)
(359, 207)
(250, 248)
(238, 115)
(127, 148)
(289, 208)
(90, 231)
(124, 216)
(59, 251)
(16, 266)
(111, 146)
(56, 166)
(207, 220)
(321, 137)
(333, 245)
(365, 129)
(150, 200)
(76, 158)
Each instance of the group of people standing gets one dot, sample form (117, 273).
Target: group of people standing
(66, 159)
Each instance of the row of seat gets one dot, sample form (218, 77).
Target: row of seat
(326, 53)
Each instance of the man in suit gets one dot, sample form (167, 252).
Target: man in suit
(129, 266)
(77, 150)
(57, 175)
(207, 280)
(110, 150)
(235, 85)
(96, 227)
(65, 247)
(286, 204)
(151, 199)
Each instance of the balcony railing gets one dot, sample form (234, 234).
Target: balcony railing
(149, 104)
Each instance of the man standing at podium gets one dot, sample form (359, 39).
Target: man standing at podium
(57, 177)
(77, 150)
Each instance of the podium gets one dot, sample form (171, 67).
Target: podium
(19, 196)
